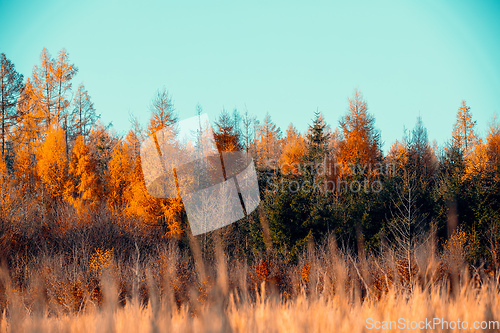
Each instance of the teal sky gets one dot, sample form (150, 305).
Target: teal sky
(287, 58)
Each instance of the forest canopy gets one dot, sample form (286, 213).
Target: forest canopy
(61, 168)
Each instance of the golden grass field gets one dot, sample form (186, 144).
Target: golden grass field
(327, 290)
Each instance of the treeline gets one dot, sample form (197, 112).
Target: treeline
(61, 169)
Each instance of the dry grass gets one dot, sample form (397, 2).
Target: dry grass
(269, 313)
(327, 290)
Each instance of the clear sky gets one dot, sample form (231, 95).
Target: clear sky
(287, 58)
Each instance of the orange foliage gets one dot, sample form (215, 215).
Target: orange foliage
(118, 173)
(294, 149)
(225, 135)
(84, 182)
(29, 110)
(24, 171)
(268, 147)
(63, 72)
(463, 135)
(150, 209)
(304, 272)
(52, 80)
(6, 198)
(52, 162)
(360, 140)
(128, 189)
(398, 154)
(477, 160)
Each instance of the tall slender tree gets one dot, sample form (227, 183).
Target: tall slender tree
(226, 135)
(52, 161)
(43, 83)
(162, 112)
(268, 147)
(52, 78)
(250, 124)
(493, 143)
(63, 73)
(10, 90)
(464, 137)
(360, 142)
(118, 176)
(421, 158)
(84, 184)
(318, 138)
(83, 115)
(294, 150)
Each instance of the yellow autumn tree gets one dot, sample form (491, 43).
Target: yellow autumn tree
(163, 213)
(6, 195)
(52, 79)
(293, 150)
(268, 143)
(63, 72)
(360, 141)
(477, 160)
(45, 87)
(24, 137)
(155, 212)
(52, 162)
(84, 186)
(25, 176)
(398, 155)
(118, 173)
(463, 136)
(29, 126)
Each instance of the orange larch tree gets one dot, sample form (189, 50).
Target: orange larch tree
(52, 162)
(84, 186)
(6, 190)
(360, 141)
(29, 124)
(164, 213)
(477, 160)
(159, 212)
(156, 212)
(293, 151)
(398, 155)
(268, 143)
(44, 84)
(52, 78)
(463, 136)
(24, 137)
(118, 176)
(63, 73)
